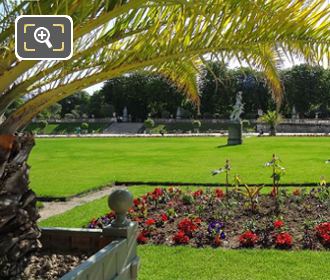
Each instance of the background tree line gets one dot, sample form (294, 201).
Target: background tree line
(307, 88)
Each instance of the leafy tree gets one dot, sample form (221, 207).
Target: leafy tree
(217, 91)
(256, 94)
(77, 104)
(307, 89)
(43, 124)
(142, 94)
(52, 111)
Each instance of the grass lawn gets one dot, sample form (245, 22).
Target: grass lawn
(63, 167)
(184, 263)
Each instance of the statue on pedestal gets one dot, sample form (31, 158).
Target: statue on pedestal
(238, 108)
(235, 125)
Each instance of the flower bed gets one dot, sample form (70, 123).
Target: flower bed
(209, 217)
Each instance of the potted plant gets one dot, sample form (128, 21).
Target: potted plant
(273, 119)
(149, 123)
(197, 125)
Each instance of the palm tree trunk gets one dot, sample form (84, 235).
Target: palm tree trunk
(272, 131)
(18, 213)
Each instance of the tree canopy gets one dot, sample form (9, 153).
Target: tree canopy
(168, 37)
(306, 88)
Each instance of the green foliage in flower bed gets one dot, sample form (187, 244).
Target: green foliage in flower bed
(211, 217)
(64, 167)
(185, 263)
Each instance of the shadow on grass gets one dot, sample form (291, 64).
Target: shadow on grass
(223, 146)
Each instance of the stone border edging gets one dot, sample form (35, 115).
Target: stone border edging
(104, 135)
(178, 184)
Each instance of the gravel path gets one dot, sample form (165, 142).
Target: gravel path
(55, 208)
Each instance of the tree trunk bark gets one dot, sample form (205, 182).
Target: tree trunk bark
(272, 131)
(18, 213)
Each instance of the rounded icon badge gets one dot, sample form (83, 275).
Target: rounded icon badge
(39, 37)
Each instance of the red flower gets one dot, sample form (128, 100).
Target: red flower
(142, 239)
(164, 217)
(278, 224)
(181, 238)
(197, 221)
(111, 215)
(157, 193)
(217, 240)
(273, 193)
(197, 193)
(283, 240)
(248, 239)
(187, 226)
(296, 192)
(150, 222)
(219, 193)
(136, 201)
(323, 233)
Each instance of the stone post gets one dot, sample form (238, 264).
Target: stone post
(121, 228)
(235, 133)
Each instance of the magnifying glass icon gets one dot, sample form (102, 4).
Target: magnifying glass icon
(41, 35)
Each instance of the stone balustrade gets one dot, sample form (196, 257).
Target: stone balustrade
(114, 248)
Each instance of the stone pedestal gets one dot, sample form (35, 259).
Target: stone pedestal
(235, 133)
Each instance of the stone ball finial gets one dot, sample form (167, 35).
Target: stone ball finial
(120, 201)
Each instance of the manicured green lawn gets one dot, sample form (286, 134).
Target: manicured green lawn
(63, 167)
(184, 263)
